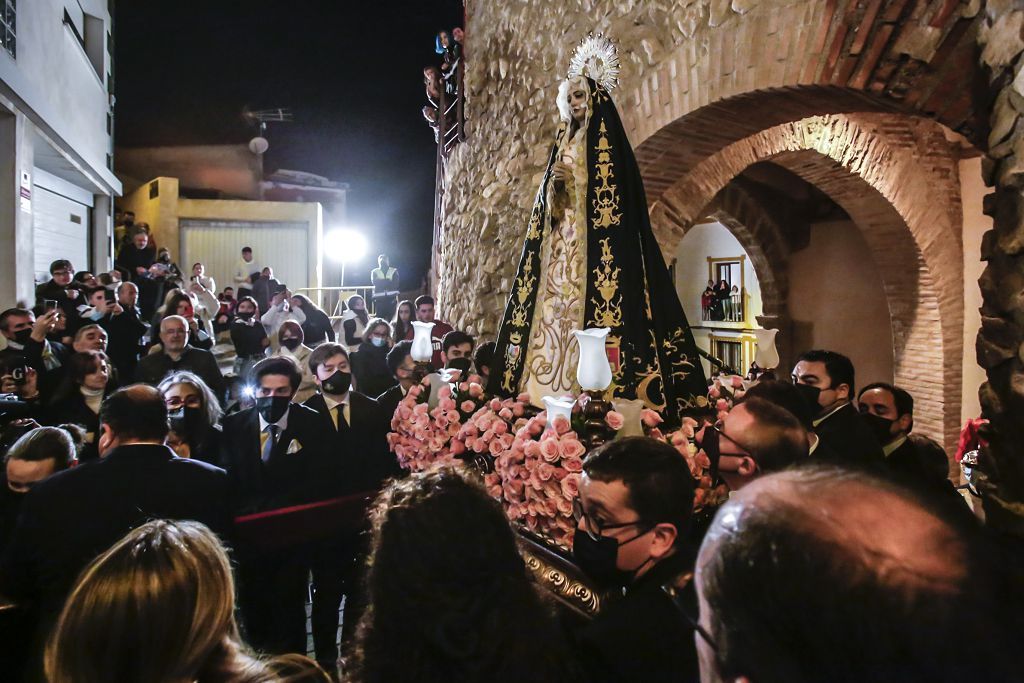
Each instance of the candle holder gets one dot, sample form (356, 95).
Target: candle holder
(594, 374)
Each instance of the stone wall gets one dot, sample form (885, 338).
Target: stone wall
(1001, 339)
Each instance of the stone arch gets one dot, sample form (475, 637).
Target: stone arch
(870, 165)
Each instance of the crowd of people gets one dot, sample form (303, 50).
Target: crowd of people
(844, 552)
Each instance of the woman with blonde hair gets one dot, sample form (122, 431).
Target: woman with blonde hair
(156, 607)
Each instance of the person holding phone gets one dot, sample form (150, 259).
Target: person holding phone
(27, 336)
(61, 291)
(199, 276)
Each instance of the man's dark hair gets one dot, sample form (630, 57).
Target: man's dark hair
(778, 440)
(278, 365)
(321, 353)
(425, 299)
(838, 367)
(901, 398)
(784, 395)
(60, 264)
(484, 356)
(397, 354)
(44, 443)
(13, 313)
(658, 479)
(932, 458)
(454, 338)
(861, 610)
(93, 290)
(136, 412)
(246, 249)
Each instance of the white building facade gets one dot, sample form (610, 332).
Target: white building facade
(56, 140)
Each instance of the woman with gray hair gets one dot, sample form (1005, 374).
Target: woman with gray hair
(194, 416)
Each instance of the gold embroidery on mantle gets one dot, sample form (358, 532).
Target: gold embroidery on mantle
(606, 194)
(607, 311)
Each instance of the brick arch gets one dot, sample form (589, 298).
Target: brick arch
(827, 57)
(871, 166)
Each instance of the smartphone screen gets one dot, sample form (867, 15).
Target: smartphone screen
(49, 305)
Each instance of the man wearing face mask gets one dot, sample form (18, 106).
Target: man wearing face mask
(889, 411)
(826, 380)
(137, 478)
(403, 369)
(26, 337)
(291, 344)
(272, 453)
(634, 507)
(457, 351)
(249, 337)
(354, 428)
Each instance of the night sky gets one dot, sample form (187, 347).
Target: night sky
(351, 72)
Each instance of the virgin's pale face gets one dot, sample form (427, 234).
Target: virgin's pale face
(578, 104)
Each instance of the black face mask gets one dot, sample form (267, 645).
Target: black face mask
(246, 315)
(709, 444)
(880, 426)
(810, 395)
(290, 343)
(272, 408)
(461, 364)
(23, 336)
(186, 421)
(337, 384)
(597, 558)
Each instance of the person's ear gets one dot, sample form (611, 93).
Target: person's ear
(843, 392)
(106, 439)
(663, 539)
(903, 423)
(748, 466)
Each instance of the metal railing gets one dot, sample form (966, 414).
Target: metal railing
(451, 130)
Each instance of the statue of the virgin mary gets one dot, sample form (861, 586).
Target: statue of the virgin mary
(590, 260)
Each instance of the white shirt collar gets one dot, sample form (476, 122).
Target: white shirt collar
(282, 423)
(830, 414)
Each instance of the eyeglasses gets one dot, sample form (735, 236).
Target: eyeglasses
(175, 402)
(592, 527)
(692, 620)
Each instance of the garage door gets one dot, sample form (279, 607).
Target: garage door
(218, 245)
(61, 230)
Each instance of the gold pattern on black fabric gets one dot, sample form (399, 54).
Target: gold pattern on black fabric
(513, 355)
(523, 289)
(653, 396)
(606, 194)
(608, 311)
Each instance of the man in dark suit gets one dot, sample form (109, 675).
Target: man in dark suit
(178, 355)
(72, 517)
(826, 379)
(402, 367)
(355, 429)
(633, 509)
(273, 455)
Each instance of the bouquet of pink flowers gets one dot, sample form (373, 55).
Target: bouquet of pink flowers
(537, 477)
(706, 495)
(420, 436)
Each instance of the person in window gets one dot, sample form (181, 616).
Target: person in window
(354, 322)
(317, 327)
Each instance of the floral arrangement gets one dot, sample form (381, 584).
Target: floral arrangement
(532, 466)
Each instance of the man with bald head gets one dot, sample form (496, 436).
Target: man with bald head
(821, 574)
(71, 517)
(176, 354)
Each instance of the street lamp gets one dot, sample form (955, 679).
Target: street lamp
(346, 246)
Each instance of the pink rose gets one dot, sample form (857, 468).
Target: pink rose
(687, 430)
(446, 404)
(491, 478)
(467, 406)
(550, 450)
(500, 428)
(523, 398)
(513, 488)
(532, 449)
(650, 418)
(564, 507)
(518, 410)
(505, 414)
(545, 471)
(560, 424)
(496, 447)
(506, 440)
(495, 405)
(463, 386)
(415, 391)
(678, 439)
(458, 448)
(452, 415)
(614, 420)
(479, 446)
(571, 486)
(475, 390)
(572, 464)
(441, 421)
(572, 448)
(444, 392)
(721, 404)
(534, 427)
(713, 392)
(736, 381)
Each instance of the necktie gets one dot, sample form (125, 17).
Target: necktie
(340, 421)
(268, 446)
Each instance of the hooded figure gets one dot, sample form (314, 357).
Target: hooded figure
(590, 259)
